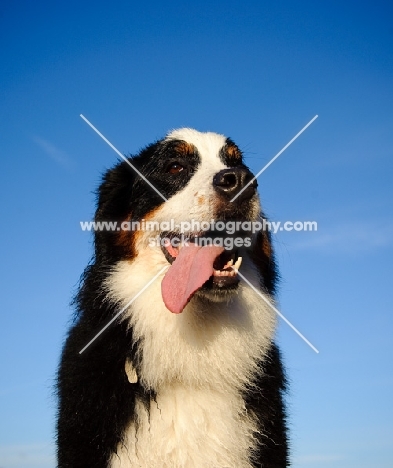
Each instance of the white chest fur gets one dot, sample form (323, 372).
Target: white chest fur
(189, 428)
(197, 363)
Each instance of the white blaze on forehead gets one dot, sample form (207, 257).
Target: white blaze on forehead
(208, 144)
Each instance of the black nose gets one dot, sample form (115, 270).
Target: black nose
(231, 183)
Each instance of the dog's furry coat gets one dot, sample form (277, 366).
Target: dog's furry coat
(199, 389)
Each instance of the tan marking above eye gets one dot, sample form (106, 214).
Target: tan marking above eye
(183, 148)
(233, 152)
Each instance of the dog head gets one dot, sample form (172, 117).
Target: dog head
(198, 222)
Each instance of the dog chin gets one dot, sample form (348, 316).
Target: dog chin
(216, 295)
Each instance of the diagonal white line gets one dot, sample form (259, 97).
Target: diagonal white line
(165, 267)
(275, 157)
(277, 311)
(123, 157)
(124, 308)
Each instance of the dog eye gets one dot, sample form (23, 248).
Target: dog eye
(174, 168)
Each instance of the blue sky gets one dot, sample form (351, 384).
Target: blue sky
(257, 72)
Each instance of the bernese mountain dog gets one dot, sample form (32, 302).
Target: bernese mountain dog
(188, 375)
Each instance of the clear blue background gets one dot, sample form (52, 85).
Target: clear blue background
(257, 72)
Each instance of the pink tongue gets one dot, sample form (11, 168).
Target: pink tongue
(192, 267)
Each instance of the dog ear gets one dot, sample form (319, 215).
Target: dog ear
(262, 256)
(114, 197)
(114, 193)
